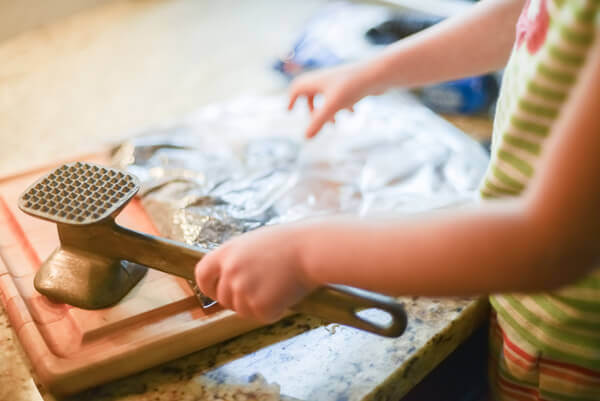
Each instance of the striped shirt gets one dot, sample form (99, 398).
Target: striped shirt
(545, 346)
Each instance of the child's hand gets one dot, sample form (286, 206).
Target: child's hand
(341, 87)
(259, 274)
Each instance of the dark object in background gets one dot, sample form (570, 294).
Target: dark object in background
(345, 32)
(462, 376)
(472, 95)
(400, 26)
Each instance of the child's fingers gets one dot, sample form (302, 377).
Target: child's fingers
(299, 88)
(321, 116)
(242, 307)
(224, 294)
(265, 312)
(295, 92)
(311, 102)
(207, 275)
(293, 98)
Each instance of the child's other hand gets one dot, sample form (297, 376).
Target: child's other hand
(341, 88)
(259, 274)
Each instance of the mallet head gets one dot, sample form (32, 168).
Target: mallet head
(79, 194)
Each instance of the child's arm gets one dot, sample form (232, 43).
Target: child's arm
(477, 42)
(545, 239)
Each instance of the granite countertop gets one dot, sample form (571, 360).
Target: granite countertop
(298, 358)
(127, 65)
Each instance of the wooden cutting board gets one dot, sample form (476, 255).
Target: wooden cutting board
(72, 349)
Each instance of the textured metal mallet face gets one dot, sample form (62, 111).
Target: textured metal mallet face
(79, 193)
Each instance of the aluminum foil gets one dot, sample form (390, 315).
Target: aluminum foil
(236, 166)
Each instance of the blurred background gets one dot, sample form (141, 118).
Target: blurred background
(97, 71)
(20, 15)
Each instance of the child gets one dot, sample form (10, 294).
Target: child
(535, 237)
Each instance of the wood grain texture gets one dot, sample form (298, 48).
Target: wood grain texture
(72, 349)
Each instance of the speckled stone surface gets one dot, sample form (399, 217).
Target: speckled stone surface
(16, 381)
(298, 358)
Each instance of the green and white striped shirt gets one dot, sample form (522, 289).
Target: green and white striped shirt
(554, 38)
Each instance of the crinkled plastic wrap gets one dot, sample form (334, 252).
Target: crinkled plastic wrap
(233, 167)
